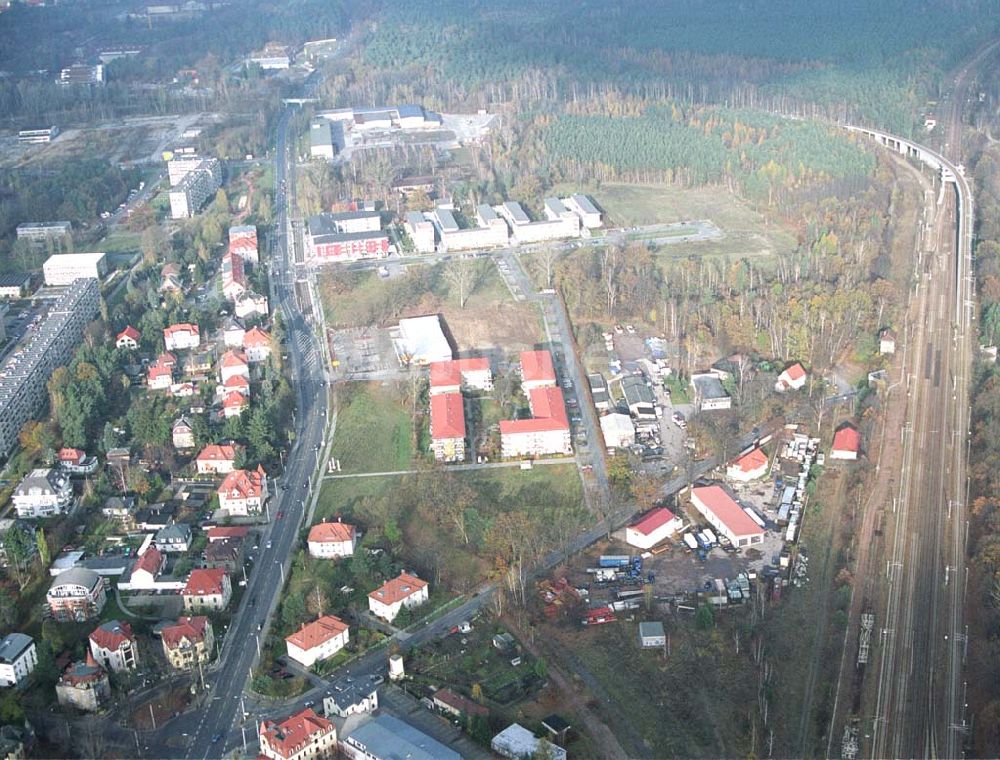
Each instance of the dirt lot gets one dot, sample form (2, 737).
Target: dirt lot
(501, 325)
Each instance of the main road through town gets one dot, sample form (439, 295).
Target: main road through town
(215, 729)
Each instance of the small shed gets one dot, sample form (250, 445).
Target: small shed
(887, 341)
(651, 635)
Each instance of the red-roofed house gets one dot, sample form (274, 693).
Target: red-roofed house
(298, 737)
(217, 458)
(180, 336)
(405, 591)
(725, 515)
(207, 588)
(232, 364)
(166, 359)
(234, 280)
(128, 338)
(188, 642)
(257, 345)
(77, 461)
(792, 378)
(329, 540)
(145, 570)
(545, 432)
(114, 647)
(243, 492)
(846, 443)
(457, 375)
(318, 640)
(183, 390)
(654, 526)
(221, 533)
(448, 427)
(159, 378)
(537, 370)
(236, 383)
(750, 466)
(234, 404)
(243, 242)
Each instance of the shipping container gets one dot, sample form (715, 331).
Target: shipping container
(613, 560)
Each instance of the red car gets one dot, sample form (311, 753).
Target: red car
(280, 514)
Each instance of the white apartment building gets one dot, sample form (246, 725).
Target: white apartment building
(25, 373)
(62, 268)
(42, 493)
(583, 208)
(179, 168)
(114, 647)
(491, 231)
(560, 222)
(18, 657)
(195, 188)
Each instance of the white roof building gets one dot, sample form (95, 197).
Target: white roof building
(63, 268)
(517, 742)
(618, 430)
(422, 341)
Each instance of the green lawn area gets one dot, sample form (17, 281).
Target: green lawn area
(374, 429)
(121, 241)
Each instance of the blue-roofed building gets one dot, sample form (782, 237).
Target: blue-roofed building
(388, 738)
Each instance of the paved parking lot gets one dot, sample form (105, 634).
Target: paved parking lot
(365, 353)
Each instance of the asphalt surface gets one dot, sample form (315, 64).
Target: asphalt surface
(214, 729)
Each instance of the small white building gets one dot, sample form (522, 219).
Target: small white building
(793, 378)
(405, 591)
(651, 635)
(352, 696)
(421, 232)
(318, 640)
(846, 443)
(618, 430)
(332, 540)
(18, 657)
(655, 526)
(887, 341)
(517, 742)
(749, 466)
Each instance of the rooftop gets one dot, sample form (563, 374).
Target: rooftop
(447, 416)
(654, 519)
(536, 366)
(389, 737)
(722, 505)
(331, 532)
(398, 589)
(319, 631)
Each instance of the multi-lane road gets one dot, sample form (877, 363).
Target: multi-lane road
(216, 727)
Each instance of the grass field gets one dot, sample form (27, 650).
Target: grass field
(651, 705)
(374, 428)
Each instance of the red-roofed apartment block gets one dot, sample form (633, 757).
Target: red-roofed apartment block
(405, 591)
(725, 515)
(318, 640)
(654, 526)
(459, 375)
(792, 378)
(330, 540)
(545, 432)
(537, 370)
(750, 466)
(846, 443)
(448, 427)
(298, 737)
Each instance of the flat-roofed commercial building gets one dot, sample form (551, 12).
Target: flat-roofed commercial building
(725, 515)
(24, 375)
(321, 144)
(42, 231)
(82, 74)
(195, 188)
(64, 268)
(491, 231)
(560, 222)
(347, 236)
